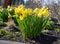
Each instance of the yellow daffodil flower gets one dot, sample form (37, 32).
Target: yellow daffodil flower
(9, 7)
(39, 15)
(36, 10)
(46, 12)
(29, 11)
(21, 17)
(25, 13)
(9, 16)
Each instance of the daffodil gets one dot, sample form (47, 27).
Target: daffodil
(40, 14)
(21, 10)
(25, 13)
(9, 7)
(29, 11)
(16, 10)
(9, 16)
(36, 10)
(46, 12)
(43, 8)
(21, 17)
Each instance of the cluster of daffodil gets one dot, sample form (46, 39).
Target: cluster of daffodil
(10, 11)
(23, 12)
(6, 13)
(42, 11)
(31, 22)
